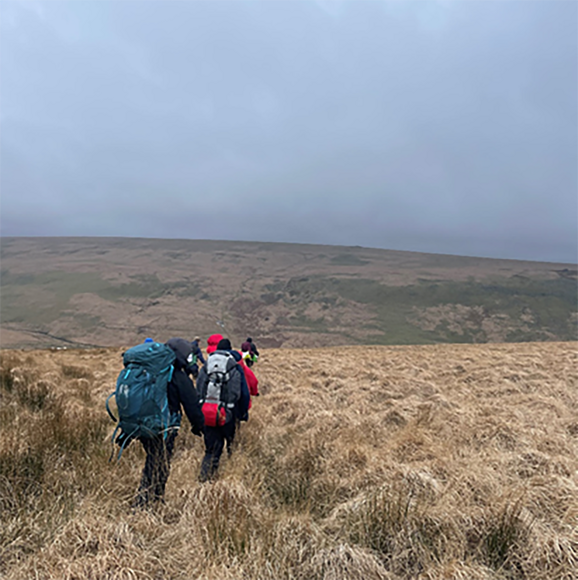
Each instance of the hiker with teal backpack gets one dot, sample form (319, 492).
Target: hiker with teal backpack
(150, 392)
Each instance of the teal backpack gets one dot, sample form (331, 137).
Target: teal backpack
(141, 394)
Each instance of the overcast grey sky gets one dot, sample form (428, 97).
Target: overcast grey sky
(435, 126)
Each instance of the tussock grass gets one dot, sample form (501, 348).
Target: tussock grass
(433, 462)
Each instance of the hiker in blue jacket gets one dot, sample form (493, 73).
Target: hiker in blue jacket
(195, 357)
(197, 350)
(225, 398)
(159, 450)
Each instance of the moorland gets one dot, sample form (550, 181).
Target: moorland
(115, 291)
(447, 461)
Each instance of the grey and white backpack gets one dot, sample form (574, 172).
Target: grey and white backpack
(220, 389)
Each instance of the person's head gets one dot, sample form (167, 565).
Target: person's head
(249, 339)
(197, 339)
(224, 344)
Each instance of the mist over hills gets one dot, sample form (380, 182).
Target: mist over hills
(117, 291)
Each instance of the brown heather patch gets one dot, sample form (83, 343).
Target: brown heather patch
(395, 463)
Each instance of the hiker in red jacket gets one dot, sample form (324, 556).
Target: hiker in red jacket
(213, 341)
(252, 381)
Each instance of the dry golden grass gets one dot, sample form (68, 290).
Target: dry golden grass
(438, 462)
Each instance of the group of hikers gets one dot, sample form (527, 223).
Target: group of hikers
(157, 384)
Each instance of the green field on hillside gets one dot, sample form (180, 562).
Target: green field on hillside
(547, 305)
(108, 292)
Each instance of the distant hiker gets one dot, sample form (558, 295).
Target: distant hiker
(250, 346)
(249, 352)
(194, 358)
(252, 381)
(150, 392)
(197, 350)
(225, 398)
(212, 342)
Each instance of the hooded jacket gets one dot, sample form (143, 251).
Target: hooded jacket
(213, 341)
(180, 390)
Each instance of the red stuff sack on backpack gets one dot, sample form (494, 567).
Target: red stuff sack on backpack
(215, 414)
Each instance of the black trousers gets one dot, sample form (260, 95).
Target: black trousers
(156, 469)
(215, 438)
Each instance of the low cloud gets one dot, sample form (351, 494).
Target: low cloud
(446, 128)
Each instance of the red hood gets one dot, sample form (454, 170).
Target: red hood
(213, 341)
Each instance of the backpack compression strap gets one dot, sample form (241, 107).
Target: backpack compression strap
(108, 408)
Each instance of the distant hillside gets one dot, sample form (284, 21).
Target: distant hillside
(117, 291)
